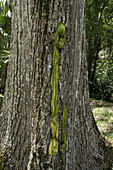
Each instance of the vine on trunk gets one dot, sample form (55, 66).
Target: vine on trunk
(59, 44)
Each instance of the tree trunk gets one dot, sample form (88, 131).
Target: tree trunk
(3, 78)
(26, 110)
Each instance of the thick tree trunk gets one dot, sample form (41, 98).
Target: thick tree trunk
(26, 109)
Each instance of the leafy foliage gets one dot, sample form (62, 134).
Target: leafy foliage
(5, 32)
(103, 83)
(99, 47)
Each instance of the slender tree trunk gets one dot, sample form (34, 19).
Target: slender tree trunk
(3, 78)
(26, 110)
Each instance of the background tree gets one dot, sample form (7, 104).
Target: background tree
(99, 43)
(26, 113)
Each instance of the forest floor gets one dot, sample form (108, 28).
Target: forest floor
(103, 113)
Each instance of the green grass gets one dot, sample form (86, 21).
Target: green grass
(103, 113)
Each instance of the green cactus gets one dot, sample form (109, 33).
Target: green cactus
(59, 44)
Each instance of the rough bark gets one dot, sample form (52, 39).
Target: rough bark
(26, 109)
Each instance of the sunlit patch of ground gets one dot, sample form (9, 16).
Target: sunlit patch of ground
(103, 113)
